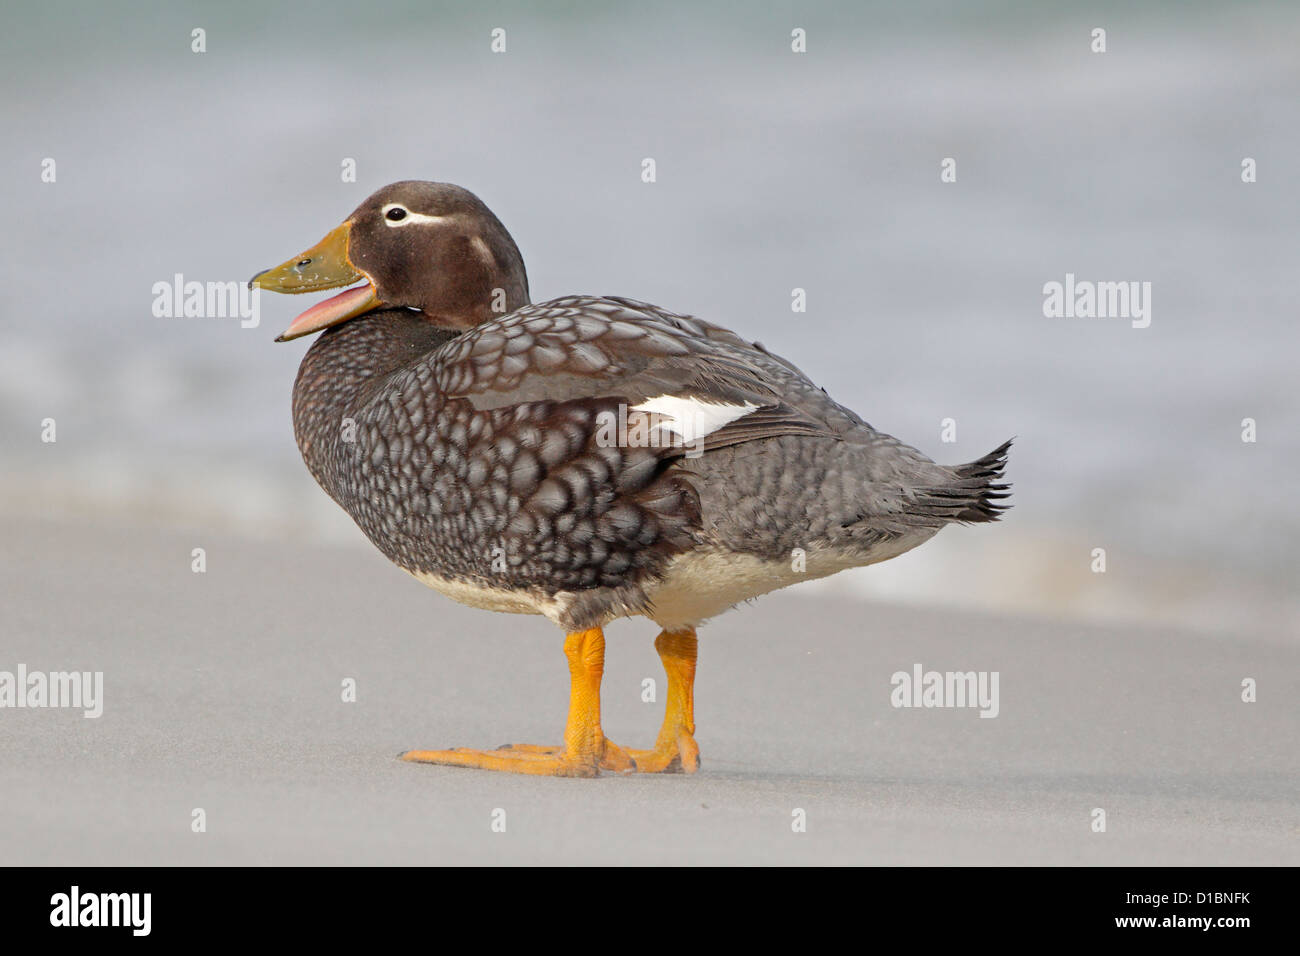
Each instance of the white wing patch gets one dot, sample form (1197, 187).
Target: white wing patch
(691, 419)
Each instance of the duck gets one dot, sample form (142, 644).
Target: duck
(585, 459)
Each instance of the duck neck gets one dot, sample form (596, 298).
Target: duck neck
(343, 368)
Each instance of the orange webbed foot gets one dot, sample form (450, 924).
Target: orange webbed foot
(586, 750)
(555, 763)
(676, 750)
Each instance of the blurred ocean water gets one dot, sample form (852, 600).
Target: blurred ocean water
(775, 171)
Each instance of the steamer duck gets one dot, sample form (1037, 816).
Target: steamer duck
(586, 458)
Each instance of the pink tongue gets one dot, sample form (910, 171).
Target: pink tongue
(333, 309)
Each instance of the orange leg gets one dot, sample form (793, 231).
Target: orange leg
(675, 751)
(585, 751)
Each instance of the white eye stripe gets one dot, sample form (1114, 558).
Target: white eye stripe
(410, 217)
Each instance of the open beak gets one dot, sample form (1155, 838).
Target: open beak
(324, 266)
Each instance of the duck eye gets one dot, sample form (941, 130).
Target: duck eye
(396, 214)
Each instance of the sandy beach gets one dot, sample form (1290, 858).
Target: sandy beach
(222, 692)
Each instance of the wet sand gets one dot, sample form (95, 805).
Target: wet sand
(223, 691)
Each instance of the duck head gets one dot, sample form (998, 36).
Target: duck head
(430, 247)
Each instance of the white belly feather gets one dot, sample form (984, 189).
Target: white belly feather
(695, 586)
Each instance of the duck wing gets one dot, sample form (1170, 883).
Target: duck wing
(694, 381)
